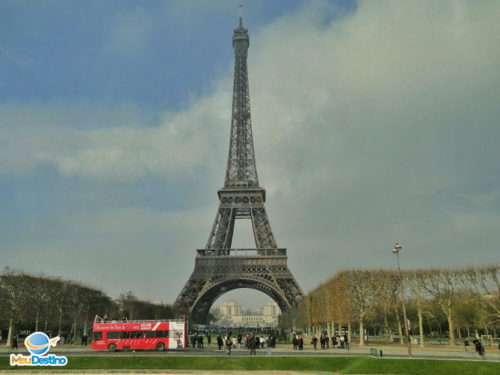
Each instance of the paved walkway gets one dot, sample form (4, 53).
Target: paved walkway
(431, 352)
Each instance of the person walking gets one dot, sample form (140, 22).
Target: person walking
(239, 340)
(14, 342)
(301, 342)
(346, 341)
(314, 342)
(295, 342)
(271, 343)
(479, 348)
(229, 344)
(194, 341)
(200, 342)
(252, 343)
(219, 342)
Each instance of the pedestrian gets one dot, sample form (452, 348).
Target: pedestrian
(200, 342)
(479, 348)
(346, 341)
(252, 343)
(219, 342)
(14, 342)
(327, 341)
(334, 341)
(300, 342)
(209, 339)
(466, 345)
(239, 338)
(229, 344)
(314, 341)
(194, 341)
(295, 342)
(271, 343)
(262, 341)
(342, 339)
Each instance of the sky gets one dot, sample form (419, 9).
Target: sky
(374, 122)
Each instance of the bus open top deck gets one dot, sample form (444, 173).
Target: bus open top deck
(125, 334)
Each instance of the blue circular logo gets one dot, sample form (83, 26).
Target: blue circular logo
(37, 343)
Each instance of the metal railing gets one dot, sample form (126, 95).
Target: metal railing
(241, 252)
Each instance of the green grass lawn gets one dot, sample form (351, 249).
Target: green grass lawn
(344, 365)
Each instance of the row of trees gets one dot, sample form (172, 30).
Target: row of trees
(458, 301)
(63, 307)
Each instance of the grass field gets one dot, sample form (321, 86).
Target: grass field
(344, 365)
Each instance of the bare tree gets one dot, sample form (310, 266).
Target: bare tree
(442, 285)
(14, 295)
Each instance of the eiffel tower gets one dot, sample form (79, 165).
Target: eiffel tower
(219, 268)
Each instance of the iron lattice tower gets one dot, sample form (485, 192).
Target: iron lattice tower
(219, 268)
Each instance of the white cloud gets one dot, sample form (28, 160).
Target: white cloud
(369, 129)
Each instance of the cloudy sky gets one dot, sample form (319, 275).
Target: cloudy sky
(374, 122)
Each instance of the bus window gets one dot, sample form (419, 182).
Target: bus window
(161, 334)
(113, 335)
(136, 335)
(124, 335)
(150, 334)
(97, 336)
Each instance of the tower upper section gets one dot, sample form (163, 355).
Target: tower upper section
(241, 169)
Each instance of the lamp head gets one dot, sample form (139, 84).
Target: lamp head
(397, 248)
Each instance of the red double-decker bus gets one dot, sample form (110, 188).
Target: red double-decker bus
(116, 335)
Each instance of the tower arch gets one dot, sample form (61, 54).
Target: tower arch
(206, 300)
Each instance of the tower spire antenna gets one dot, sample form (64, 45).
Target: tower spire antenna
(240, 10)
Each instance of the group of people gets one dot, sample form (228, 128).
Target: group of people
(251, 342)
(298, 341)
(478, 346)
(337, 341)
(197, 341)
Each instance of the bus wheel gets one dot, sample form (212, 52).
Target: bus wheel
(112, 347)
(160, 346)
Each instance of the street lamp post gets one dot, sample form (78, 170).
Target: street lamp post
(396, 250)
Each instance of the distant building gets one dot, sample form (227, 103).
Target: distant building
(229, 308)
(231, 314)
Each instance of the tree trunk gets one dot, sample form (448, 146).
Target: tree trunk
(361, 332)
(387, 333)
(400, 330)
(451, 329)
(59, 327)
(36, 320)
(349, 331)
(420, 325)
(9, 335)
